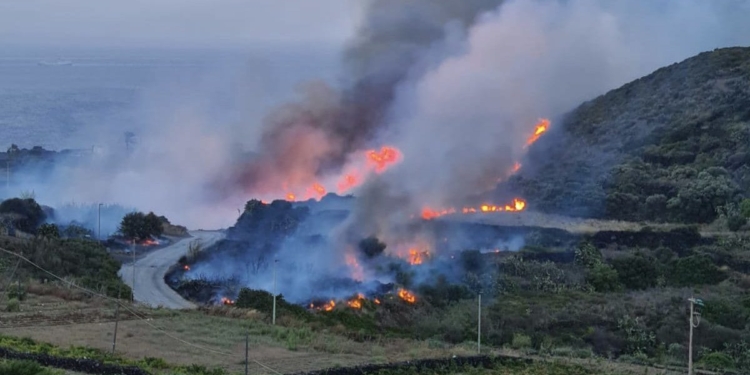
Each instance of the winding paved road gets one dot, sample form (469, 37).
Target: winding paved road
(150, 288)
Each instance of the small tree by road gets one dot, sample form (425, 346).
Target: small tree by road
(139, 226)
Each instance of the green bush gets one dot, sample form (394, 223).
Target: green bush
(716, 361)
(695, 270)
(13, 367)
(520, 341)
(636, 272)
(16, 291)
(13, 305)
(603, 278)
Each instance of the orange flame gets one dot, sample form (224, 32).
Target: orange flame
(356, 302)
(317, 190)
(186, 267)
(416, 256)
(516, 168)
(377, 301)
(329, 306)
(541, 127)
(518, 204)
(226, 301)
(290, 197)
(406, 296)
(148, 242)
(384, 158)
(347, 183)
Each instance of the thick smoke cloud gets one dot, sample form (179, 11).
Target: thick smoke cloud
(463, 123)
(455, 85)
(305, 140)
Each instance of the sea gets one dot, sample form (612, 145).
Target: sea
(78, 98)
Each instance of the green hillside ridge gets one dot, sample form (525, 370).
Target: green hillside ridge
(672, 146)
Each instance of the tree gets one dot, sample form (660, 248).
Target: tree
(136, 225)
(28, 214)
(154, 224)
(745, 208)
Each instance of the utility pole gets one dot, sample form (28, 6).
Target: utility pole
(693, 324)
(100, 222)
(273, 321)
(117, 320)
(247, 349)
(479, 324)
(133, 270)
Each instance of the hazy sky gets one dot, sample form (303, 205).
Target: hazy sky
(176, 23)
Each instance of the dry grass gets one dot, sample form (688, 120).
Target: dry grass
(580, 225)
(213, 337)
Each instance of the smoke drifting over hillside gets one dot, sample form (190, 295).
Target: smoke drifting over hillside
(456, 86)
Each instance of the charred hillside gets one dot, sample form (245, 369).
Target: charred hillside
(671, 146)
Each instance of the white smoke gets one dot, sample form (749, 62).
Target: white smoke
(463, 122)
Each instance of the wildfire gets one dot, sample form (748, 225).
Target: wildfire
(329, 306)
(226, 301)
(317, 190)
(186, 267)
(518, 204)
(377, 161)
(541, 127)
(146, 242)
(377, 301)
(407, 296)
(516, 168)
(347, 183)
(356, 302)
(384, 158)
(416, 256)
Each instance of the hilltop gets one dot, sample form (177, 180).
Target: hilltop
(672, 146)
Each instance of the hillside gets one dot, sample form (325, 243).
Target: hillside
(671, 146)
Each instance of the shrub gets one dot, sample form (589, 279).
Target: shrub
(636, 272)
(13, 305)
(16, 291)
(603, 278)
(48, 231)
(695, 270)
(716, 361)
(520, 341)
(13, 367)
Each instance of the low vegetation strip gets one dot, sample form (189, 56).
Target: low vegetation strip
(85, 365)
(433, 366)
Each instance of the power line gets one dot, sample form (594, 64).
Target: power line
(144, 319)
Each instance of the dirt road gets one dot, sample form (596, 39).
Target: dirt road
(150, 288)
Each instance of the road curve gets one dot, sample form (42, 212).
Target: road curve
(150, 288)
